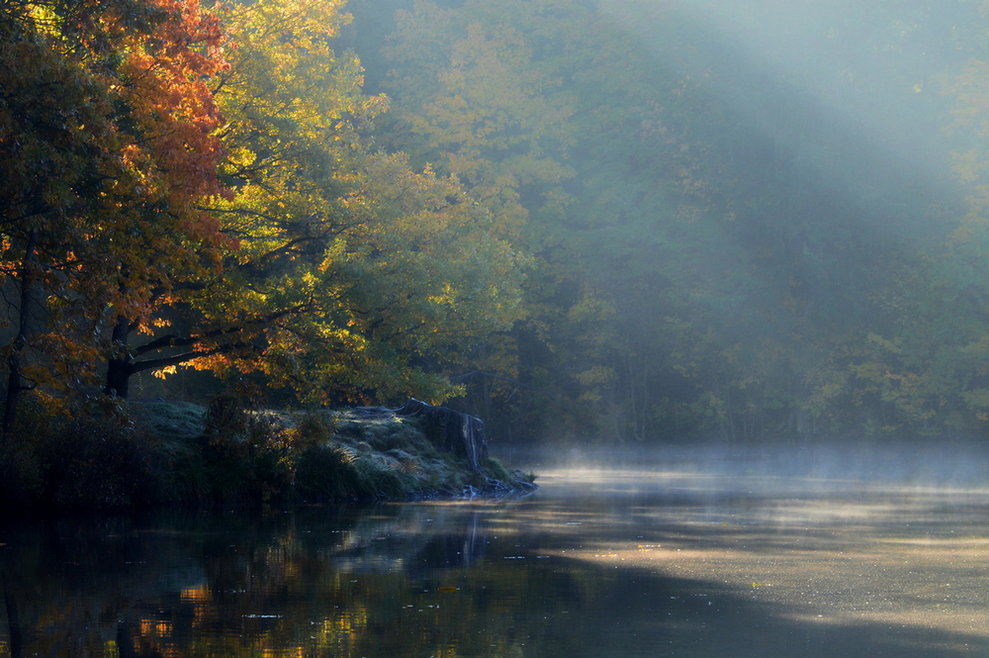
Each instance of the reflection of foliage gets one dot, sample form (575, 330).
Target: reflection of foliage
(326, 582)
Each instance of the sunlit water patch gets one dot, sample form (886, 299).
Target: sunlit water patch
(625, 562)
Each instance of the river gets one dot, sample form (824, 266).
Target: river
(611, 562)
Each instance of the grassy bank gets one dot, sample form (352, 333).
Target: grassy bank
(116, 455)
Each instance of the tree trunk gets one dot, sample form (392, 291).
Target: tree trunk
(15, 367)
(15, 384)
(14, 631)
(119, 367)
(117, 378)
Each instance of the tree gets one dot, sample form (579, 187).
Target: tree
(175, 118)
(355, 275)
(105, 129)
(741, 232)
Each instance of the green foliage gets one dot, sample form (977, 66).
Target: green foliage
(707, 261)
(582, 218)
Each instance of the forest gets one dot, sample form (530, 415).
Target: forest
(586, 221)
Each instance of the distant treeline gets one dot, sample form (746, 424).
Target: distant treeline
(626, 219)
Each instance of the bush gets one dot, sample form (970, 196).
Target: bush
(245, 452)
(89, 458)
(324, 473)
(327, 473)
(495, 469)
(21, 477)
(312, 429)
(99, 464)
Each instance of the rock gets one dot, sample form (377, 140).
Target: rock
(452, 431)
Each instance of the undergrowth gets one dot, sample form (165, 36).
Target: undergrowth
(108, 454)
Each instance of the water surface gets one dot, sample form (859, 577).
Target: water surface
(597, 563)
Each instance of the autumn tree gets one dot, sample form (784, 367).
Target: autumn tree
(174, 117)
(105, 125)
(355, 274)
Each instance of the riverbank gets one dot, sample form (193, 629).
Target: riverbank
(145, 454)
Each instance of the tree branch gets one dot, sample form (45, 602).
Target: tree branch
(176, 359)
(173, 340)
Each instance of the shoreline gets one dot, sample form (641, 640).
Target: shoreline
(156, 454)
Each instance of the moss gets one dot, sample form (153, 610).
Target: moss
(496, 470)
(170, 420)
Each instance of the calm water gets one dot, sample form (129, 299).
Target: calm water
(607, 563)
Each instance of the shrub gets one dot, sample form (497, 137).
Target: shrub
(312, 429)
(495, 469)
(21, 477)
(99, 463)
(325, 473)
(245, 453)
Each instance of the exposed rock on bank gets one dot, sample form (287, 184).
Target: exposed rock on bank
(224, 454)
(449, 431)
(416, 450)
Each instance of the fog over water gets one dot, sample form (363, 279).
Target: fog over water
(921, 466)
(670, 558)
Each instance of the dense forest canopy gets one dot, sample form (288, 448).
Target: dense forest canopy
(622, 220)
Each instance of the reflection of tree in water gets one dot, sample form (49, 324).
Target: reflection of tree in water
(324, 581)
(422, 579)
(414, 539)
(449, 550)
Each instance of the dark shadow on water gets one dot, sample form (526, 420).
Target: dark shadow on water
(584, 568)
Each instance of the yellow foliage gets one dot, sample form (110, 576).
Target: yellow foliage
(163, 373)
